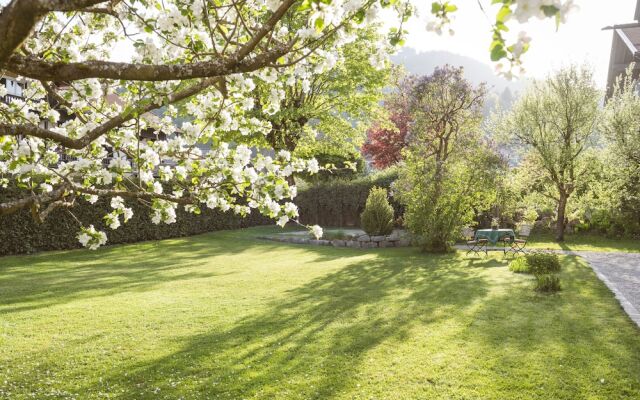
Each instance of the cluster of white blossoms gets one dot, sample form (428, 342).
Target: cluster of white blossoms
(515, 69)
(167, 154)
(528, 9)
(92, 238)
(119, 209)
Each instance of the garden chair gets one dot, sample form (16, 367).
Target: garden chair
(518, 244)
(474, 245)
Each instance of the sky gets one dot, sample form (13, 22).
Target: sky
(581, 40)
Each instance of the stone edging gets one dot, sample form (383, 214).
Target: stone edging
(362, 242)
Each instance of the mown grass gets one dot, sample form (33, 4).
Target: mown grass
(226, 316)
(584, 242)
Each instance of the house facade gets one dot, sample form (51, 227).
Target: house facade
(625, 50)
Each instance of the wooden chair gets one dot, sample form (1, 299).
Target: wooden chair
(518, 244)
(473, 244)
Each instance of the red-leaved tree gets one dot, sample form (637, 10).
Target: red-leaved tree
(385, 142)
(386, 139)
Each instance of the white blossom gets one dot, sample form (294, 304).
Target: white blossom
(316, 231)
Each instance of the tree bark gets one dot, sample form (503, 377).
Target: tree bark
(561, 213)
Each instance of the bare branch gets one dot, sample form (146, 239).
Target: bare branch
(13, 206)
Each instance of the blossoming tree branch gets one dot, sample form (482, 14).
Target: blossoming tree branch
(157, 126)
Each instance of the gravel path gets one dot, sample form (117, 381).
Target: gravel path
(621, 273)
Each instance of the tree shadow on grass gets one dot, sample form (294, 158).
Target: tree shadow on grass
(314, 341)
(47, 279)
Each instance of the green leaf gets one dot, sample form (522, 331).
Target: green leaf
(496, 43)
(306, 4)
(450, 7)
(498, 53)
(503, 14)
(435, 7)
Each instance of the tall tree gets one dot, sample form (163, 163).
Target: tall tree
(621, 129)
(448, 167)
(554, 122)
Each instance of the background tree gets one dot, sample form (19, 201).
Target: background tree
(554, 123)
(329, 112)
(387, 139)
(448, 169)
(388, 136)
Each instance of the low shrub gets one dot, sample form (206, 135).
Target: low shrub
(547, 283)
(519, 265)
(543, 263)
(377, 217)
(543, 266)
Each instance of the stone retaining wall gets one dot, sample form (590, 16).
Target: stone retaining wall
(361, 242)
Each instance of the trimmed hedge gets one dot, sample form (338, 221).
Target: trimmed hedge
(20, 234)
(340, 202)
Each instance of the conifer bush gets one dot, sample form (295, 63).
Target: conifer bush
(377, 217)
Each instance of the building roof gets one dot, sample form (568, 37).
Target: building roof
(625, 50)
(630, 37)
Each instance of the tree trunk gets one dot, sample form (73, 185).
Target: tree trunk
(560, 223)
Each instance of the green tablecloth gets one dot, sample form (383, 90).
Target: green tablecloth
(494, 235)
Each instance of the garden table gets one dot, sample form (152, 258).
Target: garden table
(494, 235)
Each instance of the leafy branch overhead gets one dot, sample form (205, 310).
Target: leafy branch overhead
(504, 49)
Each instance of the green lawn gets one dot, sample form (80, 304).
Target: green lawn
(585, 242)
(226, 316)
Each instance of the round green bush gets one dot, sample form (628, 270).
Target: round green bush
(543, 263)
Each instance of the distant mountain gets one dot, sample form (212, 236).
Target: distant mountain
(500, 90)
(474, 70)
